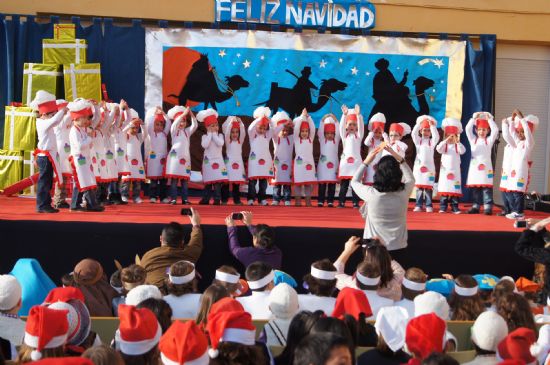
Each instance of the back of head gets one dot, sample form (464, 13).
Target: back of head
(336, 327)
(431, 302)
(388, 175)
(228, 277)
(103, 355)
(414, 283)
(233, 353)
(257, 273)
(283, 301)
(265, 236)
(488, 330)
(319, 280)
(317, 349)
(161, 310)
(369, 270)
(181, 279)
(172, 235)
(439, 359)
(132, 276)
(300, 326)
(10, 293)
(87, 272)
(210, 296)
(516, 311)
(465, 301)
(502, 288)
(379, 254)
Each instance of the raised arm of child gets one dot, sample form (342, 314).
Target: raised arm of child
(470, 131)
(434, 132)
(194, 124)
(494, 131)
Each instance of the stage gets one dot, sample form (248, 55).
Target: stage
(438, 243)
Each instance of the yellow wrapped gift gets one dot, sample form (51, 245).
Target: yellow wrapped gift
(19, 128)
(29, 169)
(82, 81)
(11, 167)
(64, 32)
(64, 51)
(40, 76)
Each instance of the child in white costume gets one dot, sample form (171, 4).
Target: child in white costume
(283, 146)
(214, 171)
(327, 167)
(449, 184)
(352, 129)
(234, 132)
(518, 181)
(157, 127)
(376, 136)
(396, 133)
(508, 130)
(178, 164)
(260, 162)
(64, 149)
(425, 138)
(134, 140)
(480, 172)
(109, 130)
(118, 143)
(304, 176)
(81, 141)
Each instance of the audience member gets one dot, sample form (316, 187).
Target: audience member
(211, 295)
(487, 332)
(35, 283)
(465, 302)
(173, 249)
(300, 326)
(432, 302)
(324, 349)
(114, 280)
(486, 284)
(503, 287)
(283, 304)
(367, 278)
(414, 284)
(103, 355)
(516, 312)
(352, 306)
(65, 361)
(181, 286)
(141, 293)
(263, 243)
(12, 328)
(260, 280)
(517, 346)
(138, 336)
(90, 278)
(184, 343)
(439, 359)
(321, 284)
(130, 277)
(228, 277)
(160, 309)
(425, 334)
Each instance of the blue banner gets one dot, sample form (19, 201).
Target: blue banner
(352, 14)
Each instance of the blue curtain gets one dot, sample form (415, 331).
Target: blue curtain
(478, 89)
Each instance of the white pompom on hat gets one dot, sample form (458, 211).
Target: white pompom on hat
(141, 293)
(10, 292)
(44, 102)
(46, 328)
(208, 117)
(488, 330)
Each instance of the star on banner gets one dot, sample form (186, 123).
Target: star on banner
(354, 70)
(340, 60)
(367, 73)
(222, 53)
(262, 57)
(246, 63)
(322, 64)
(438, 63)
(238, 55)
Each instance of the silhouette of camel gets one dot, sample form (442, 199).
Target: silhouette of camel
(282, 97)
(398, 108)
(201, 85)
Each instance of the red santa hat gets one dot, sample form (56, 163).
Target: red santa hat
(377, 121)
(329, 124)
(64, 361)
(80, 108)
(532, 122)
(44, 102)
(227, 305)
(402, 128)
(512, 362)
(425, 121)
(229, 326)
(64, 294)
(451, 126)
(304, 124)
(176, 111)
(280, 118)
(61, 103)
(45, 329)
(425, 334)
(184, 343)
(208, 117)
(520, 344)
(353, 302)
(159, 117)
(139, 330)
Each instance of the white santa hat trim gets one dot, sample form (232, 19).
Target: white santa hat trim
(202, 360)
(139, 347)
(465, 292)
(322, 274)
(413, 285)
(261, 112)
(367, 281)
(226, 277)
(175, 110)
(280, 116)
(262, 282)
(203, 114)
(245, 337)
(56, 341)
(452, 122)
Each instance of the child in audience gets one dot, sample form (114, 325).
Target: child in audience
(81, 157)
(521, 163)
(396, 133)
(304, 165)
(181, 286)
(300, 326)
(260, 162)
(465, 302)
(324, 348)
(90, 278)
(367, 279)
(516, 312)
(211, 295)
(178, 166)
(487, 332)
(424, 335)
(283, 146)
(184, 343)
(46, 152)
(214, 171)
(519, 347)
(130, 277)
(425, 137)
(161, 309)
(228, 277)
(103, 355)
(351, 131)
(260, 281)
(157, 128)
(12, 327)
(480, 172)
(235, 133)
(327, 174)
(64, 149)
(449, 184)
(283, 304)
(413, 285)
(138, 335)
(508, 130)
(134, 140)
(321, 284)
(375, 137)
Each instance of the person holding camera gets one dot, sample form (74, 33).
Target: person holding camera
(533, 245)
(263, 242)
(387, 199)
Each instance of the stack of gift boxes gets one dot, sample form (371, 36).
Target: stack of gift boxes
(64, 73)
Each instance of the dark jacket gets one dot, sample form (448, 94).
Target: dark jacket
(530, 246)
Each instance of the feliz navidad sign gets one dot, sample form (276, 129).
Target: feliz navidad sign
(351, 14)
